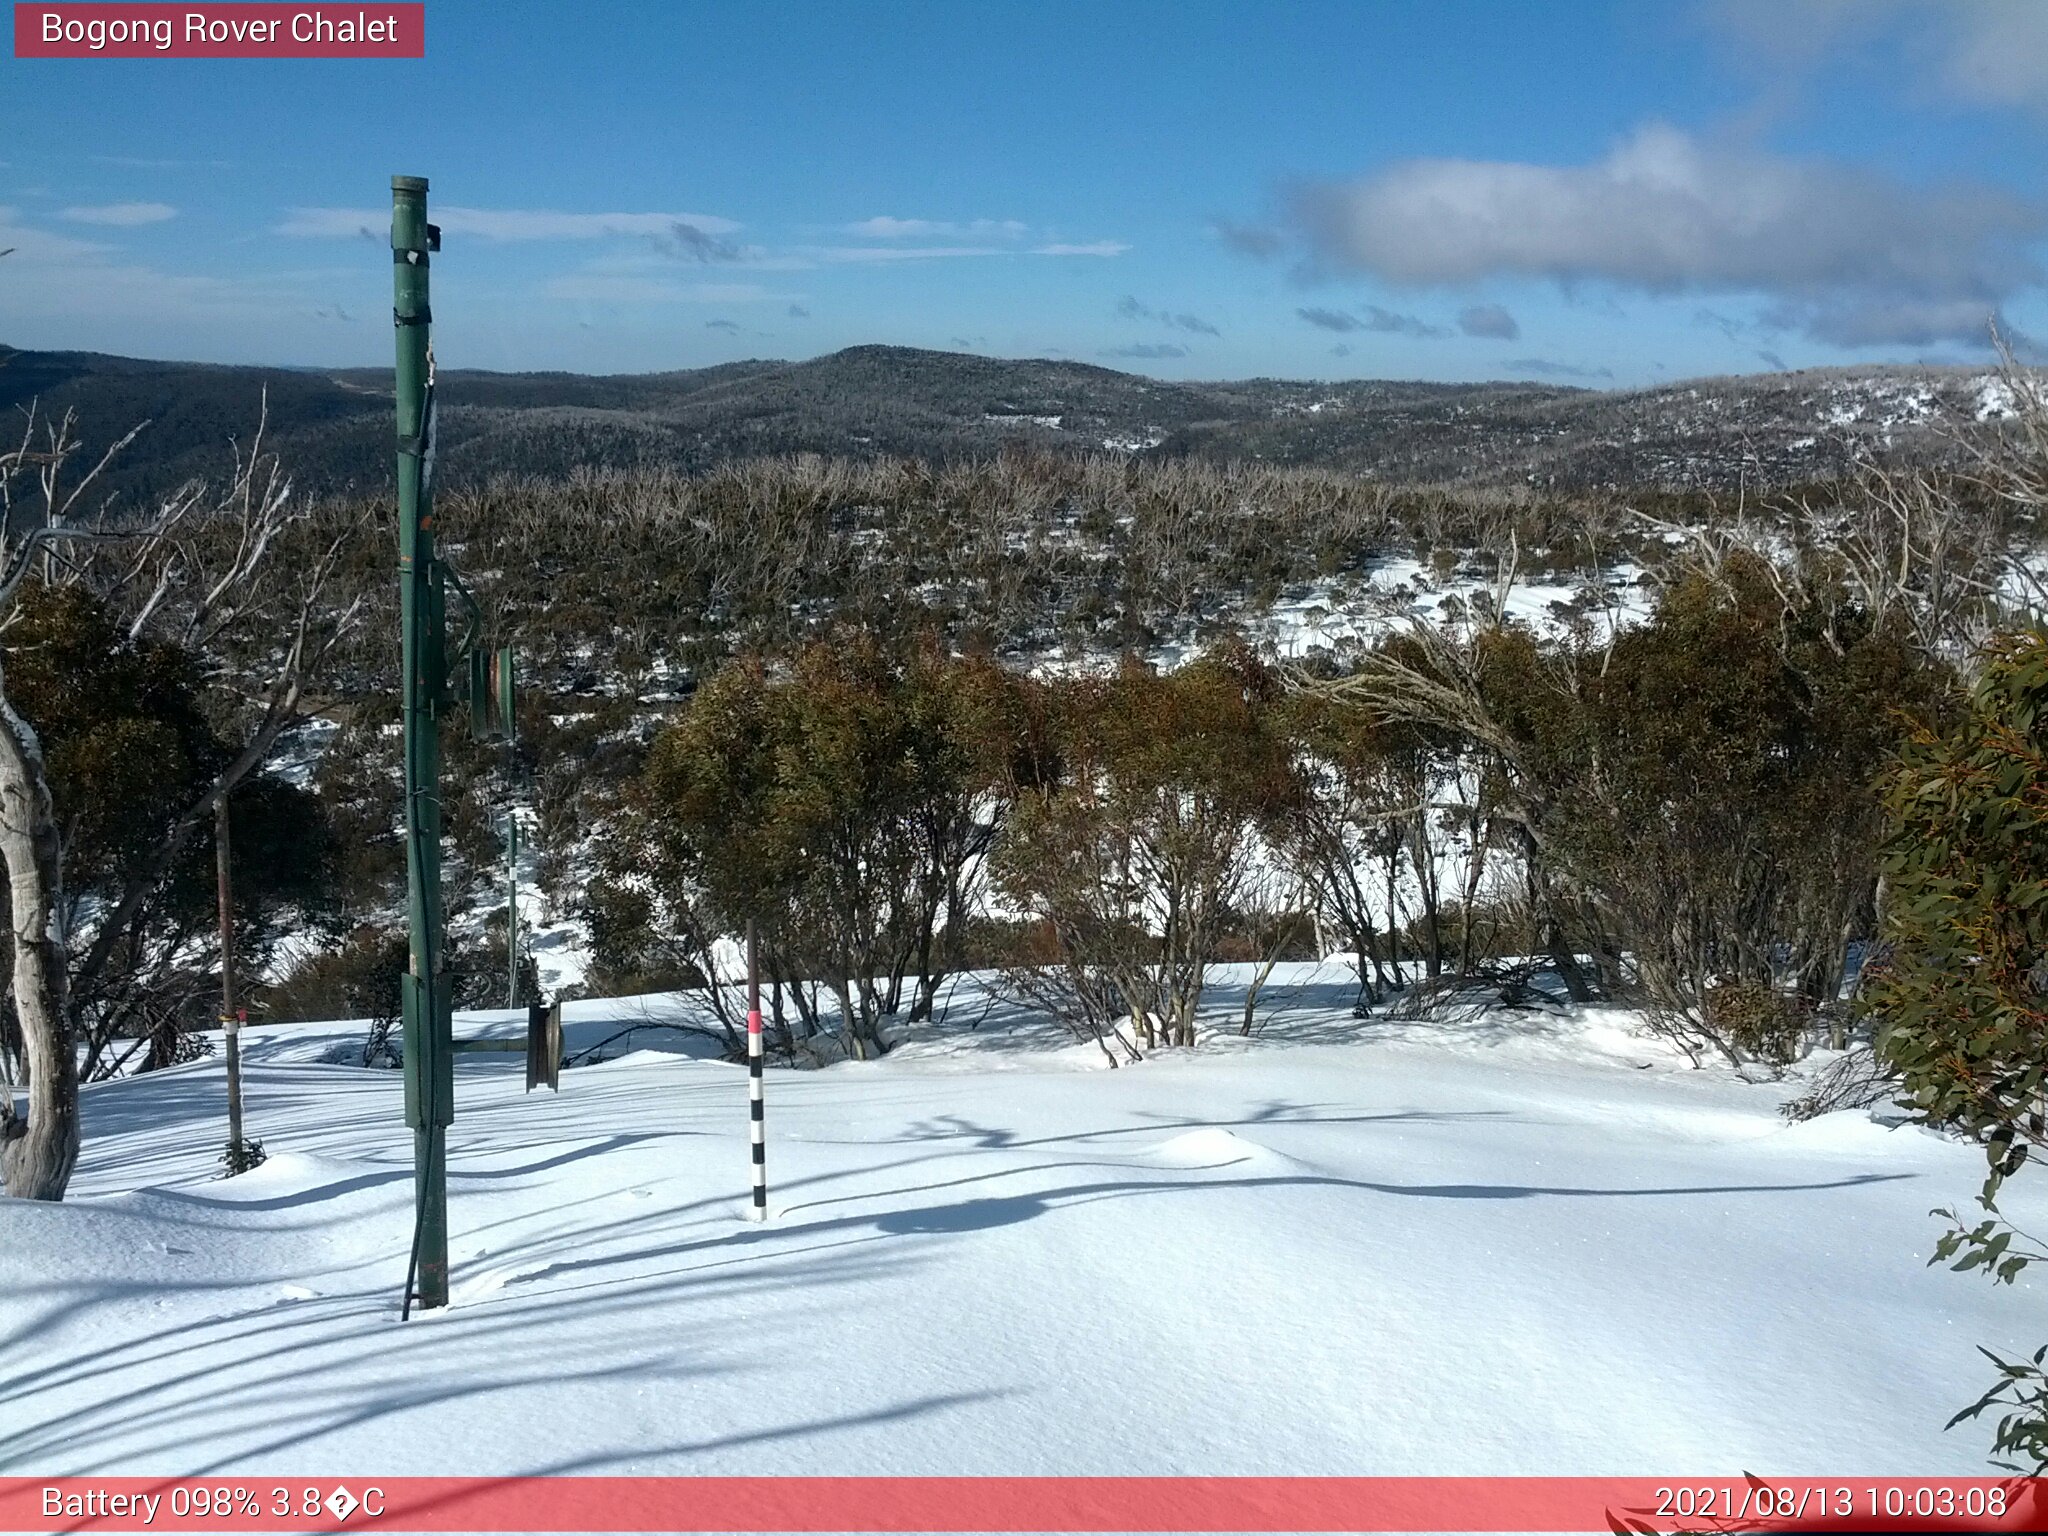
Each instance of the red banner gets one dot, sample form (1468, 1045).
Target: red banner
(235, 31)
(1051, 1504)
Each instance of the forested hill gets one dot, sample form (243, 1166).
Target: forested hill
(332, 427)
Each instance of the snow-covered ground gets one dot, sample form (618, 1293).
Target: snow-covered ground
(1397, 594)
(1521, 1243)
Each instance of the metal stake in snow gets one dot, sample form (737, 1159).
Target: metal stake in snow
(757, 1128)
(241, 1154)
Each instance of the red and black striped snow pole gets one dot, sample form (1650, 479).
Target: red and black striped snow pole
(757, 1128)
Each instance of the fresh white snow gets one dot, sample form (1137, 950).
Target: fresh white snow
(1515, 1243)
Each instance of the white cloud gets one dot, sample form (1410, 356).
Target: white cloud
(119, 215)
(64, 292)
(35, 246)
(886, 228)
(1092, 248)
(502, 224)
(1985, 52)
(1798, 36)
(1998, 54)
(1838, 247)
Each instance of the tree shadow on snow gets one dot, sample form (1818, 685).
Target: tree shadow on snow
(1272, 1112)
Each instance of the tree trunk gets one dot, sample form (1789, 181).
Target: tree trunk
(1423, 854)
(1566, 962)
(1393, 922)
(1367, 946)
(1474, 871)
(36, 1154)
(927, 983)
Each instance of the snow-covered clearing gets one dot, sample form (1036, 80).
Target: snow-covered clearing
(1516, 1244)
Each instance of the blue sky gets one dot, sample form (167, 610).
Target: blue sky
(1612, 194)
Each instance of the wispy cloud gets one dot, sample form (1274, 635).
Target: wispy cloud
(622, 288)
(506, 224)
(1330, 319)
(1148, 351)
(885, 228)
(1728, 325)
(1489, 320)
(119, 215)
(890, 253)
(853, 254)
(692, 242)
(957, 237)
(1374, 319)
(1377, 319)
(1248, 239)
(1549, 368)
(1129, 308)
(139, 163)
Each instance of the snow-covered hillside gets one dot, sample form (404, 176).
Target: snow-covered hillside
(1525, 1243)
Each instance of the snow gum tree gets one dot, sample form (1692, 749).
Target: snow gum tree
(1692, 804)
(844, 806)
(1133, 855)
(128, 745)
(1961, 994)
(1346, 831)
(229, 577)
(1719, 801)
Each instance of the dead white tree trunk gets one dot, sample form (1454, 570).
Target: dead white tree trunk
(38, 1151)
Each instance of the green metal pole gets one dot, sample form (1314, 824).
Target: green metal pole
(428, 1019)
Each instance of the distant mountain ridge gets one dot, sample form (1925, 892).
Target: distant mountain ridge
(333, 427)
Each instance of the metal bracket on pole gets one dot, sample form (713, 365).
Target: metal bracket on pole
(493, 715)
(429, 1085)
